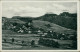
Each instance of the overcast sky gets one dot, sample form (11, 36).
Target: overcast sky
(35, 9)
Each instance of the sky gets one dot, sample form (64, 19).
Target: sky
(36, 9)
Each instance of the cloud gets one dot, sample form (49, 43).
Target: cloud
(72, 9)
(24, 11)
(55, 8)
(36, 9)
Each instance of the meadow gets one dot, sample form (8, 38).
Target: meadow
(27, 38)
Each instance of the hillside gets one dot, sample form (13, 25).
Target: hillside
(10, 20)
(64, 19)
(54, 27)
(6, 22)
(39, 24)
(63, 23)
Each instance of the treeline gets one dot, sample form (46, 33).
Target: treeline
(64, 19)
(25, 19)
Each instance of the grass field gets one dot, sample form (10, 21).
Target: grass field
(54, 27)
(17, 45)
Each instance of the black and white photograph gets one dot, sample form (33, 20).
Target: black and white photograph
(39, 25)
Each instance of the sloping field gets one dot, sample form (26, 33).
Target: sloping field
(54, 27)
(13, 20)
(16, 21)
(8, 32)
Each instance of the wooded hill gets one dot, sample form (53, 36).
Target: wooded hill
(65, 19)
(60, 23)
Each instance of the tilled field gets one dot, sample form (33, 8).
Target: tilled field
(18, 38)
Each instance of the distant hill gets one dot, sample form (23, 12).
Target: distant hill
(25, 19)
(10, 20)
(65, 19)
